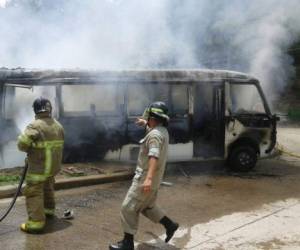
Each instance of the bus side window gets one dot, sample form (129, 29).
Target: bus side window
(18, 101)
(102, 99)
(179, 100)
(162, 93)
(139, 97)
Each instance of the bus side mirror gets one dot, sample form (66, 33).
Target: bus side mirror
(229, 119)
(277, 118)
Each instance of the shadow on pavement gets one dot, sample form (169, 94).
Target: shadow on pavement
(156, 246)
(275, 167)
(56, 224)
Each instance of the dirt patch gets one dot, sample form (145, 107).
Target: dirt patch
(12, 175)
(274, 244)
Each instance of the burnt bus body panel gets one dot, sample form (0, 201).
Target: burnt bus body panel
(134, 133)
(90, 136)
(179, 130)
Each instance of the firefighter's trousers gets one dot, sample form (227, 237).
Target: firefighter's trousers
(39, 196)
(137, 202)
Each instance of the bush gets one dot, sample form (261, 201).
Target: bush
(7, 179)
(294, 114)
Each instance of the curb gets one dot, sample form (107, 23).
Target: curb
(73, 182)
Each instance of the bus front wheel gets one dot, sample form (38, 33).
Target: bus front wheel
(242, 158)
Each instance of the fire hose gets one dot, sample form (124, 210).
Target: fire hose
(12, 203)
(282, 150)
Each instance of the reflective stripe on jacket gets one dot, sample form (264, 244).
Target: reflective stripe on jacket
(43, 141)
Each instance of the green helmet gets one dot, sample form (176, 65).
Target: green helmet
(157, 110)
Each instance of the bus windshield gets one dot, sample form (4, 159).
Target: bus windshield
(245, 98)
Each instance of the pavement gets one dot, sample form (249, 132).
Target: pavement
(216, 209)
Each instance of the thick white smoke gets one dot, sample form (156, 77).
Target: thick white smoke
(3, 3)
(249, 36)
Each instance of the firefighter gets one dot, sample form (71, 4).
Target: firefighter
(141, 196)
(43, 141)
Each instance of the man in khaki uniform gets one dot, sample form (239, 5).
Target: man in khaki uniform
(142, 195)
(43, 141)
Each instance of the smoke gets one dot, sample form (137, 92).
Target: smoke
(19, 106)
(249, 36)
(3, 3)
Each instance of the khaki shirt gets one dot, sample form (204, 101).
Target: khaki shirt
(155, 144)
(43, 141)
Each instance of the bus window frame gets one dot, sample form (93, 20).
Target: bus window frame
(172, 111)
(169, 101)
(29, 87)
(77, 114)
(259, 89)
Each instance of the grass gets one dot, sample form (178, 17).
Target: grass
(294, 114)
(8, 179)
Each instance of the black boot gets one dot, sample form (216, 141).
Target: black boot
(170, 227)
(126, 244)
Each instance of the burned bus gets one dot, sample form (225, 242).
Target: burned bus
(214, 114)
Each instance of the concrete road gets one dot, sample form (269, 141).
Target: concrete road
(215, 208)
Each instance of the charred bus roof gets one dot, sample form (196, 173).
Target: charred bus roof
(52, 77)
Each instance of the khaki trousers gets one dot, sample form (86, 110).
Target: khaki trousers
(137, 202)
(39, 195)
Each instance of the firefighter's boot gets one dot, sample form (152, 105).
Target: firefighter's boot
(126, 244)
(170, 227)
(33, 226)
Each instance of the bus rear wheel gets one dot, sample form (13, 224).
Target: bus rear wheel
(242, 158)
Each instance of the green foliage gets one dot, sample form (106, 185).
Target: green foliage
(294, 114)
(8, 179)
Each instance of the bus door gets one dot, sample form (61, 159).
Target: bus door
(208, 120)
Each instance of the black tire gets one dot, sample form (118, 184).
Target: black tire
(242, 158)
